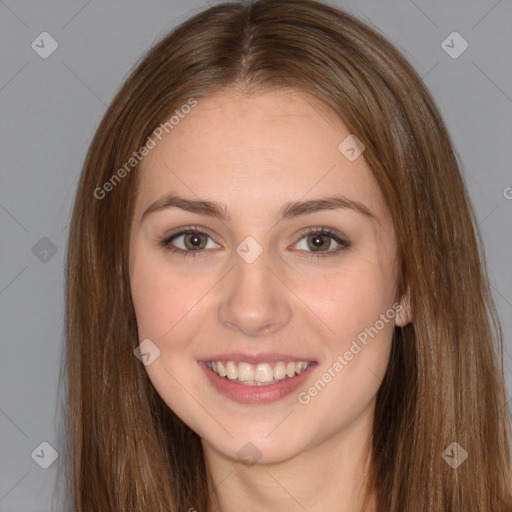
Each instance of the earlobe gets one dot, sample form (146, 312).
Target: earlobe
(403, 312)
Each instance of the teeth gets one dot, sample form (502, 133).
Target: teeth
(280, 370)
(300, 367)
(264, 373)
(220, 369)
(258, 374)
(245, 371)
(231, 370)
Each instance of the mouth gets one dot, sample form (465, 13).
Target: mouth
(259, 374)
(257, 381)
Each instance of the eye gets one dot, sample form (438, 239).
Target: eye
(320, 241)
(193, 241)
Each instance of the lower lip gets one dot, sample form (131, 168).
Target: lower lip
(255, 394)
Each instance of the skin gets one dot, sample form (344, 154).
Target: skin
(254, 153)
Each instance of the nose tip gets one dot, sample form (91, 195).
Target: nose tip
(252, 327)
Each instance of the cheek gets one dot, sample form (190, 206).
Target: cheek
(357, 305)
(163, 303)
(160, 297)
(169, 305)
(353, 299)
(153, 301)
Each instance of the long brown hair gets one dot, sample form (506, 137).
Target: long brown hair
(444, 383)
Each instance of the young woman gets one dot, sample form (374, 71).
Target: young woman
(275, 292)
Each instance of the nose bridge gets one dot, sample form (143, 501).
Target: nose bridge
(255, 301)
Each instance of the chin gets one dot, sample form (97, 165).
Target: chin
(255, 445)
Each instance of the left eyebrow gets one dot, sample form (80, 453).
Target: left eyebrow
(297, 209)
(288, 211)
(199, 206)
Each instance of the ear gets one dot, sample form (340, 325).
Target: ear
(403, 310)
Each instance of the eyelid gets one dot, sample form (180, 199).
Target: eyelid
(339, 238)
(165, 243)
(184, 230)
(330, 232)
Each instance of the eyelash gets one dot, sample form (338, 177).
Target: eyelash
(344, 244)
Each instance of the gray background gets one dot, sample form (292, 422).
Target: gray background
(49, 109)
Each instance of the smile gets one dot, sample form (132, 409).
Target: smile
(256, 382)
(259, 374)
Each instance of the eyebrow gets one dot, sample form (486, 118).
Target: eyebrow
(288, 211)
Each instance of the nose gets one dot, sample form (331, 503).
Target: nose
(254, 301)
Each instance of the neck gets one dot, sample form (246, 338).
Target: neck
(328, 476)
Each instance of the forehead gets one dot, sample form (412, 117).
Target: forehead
(254, 152)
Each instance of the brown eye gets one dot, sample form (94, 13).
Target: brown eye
(187, 242)
(321, 241)
(193, 241)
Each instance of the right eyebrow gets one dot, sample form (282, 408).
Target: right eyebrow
(199, 206)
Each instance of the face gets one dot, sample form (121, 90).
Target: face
(269, 315)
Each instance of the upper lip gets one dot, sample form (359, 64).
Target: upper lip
(261, 357)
